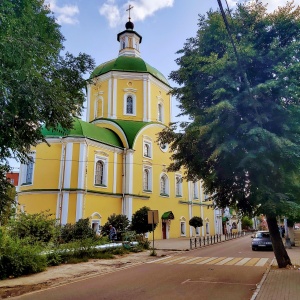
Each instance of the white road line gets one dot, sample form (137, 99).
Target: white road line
(154, 261)
(224, 261)
(173, 260)
(261, 262)
(189, 260)
(205, 261)
(243, 261)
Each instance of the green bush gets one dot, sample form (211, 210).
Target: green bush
(17, 258)
(196, 222)
(33, 228)
(79, 231)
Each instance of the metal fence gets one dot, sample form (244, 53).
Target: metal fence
(203, 241)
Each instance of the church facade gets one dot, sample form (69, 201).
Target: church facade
(112, 163)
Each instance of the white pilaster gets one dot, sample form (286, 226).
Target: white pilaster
(88, 103)
(114, 99)
(66, 183)
(115, 173)
(149, 101)
(81, 180)
(109, 98)
(145, 94)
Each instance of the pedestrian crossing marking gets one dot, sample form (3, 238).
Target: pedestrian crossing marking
(252, 262)
(206, 261)
(213, 262)
(224, 261)
(218, 261)
(243, 261)
(261, 262)
(174, 259)
(233, 261)
(198, 260)
(193, 260)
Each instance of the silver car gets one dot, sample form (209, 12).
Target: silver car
(261, 240)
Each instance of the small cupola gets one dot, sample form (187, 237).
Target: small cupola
(129, 39)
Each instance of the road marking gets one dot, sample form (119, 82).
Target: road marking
(261, 262)
(252, 262)
(218, 261)
(224, 261)
(173, 260)
(213, 262)
(206, 261)
(243, 261)
(192, 260)
(233, 261)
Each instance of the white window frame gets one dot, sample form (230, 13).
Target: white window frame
(133, 104)
(104, 160)
(149, 170)
(25, 170)
(149, 144)
(178, 185)
(182, 226)
(166, 191)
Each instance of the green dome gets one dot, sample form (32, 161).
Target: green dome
(129, 64)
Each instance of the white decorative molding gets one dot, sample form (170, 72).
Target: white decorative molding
(115, 173)
(114, 104)
(109, 98)
(131, 90)
(102, 153)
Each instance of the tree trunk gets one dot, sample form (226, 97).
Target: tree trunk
(280, 252)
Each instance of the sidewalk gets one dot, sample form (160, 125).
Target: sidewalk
(281, 284)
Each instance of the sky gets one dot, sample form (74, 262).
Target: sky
(91, 26)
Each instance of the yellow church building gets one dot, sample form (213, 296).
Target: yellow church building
(112, 163)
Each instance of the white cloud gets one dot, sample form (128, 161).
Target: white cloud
(64, 14)
(117, 14)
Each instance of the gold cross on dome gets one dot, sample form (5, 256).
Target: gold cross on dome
(129, 8)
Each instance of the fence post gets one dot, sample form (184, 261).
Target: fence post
(191, 244)
(195, 242)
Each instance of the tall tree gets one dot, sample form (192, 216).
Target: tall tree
(243, 138)
(38, 84)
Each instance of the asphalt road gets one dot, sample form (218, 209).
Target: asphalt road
(229, 270)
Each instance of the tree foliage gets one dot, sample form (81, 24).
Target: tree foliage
(243, 137)
(139, 222)
(120, 222)
(39, 86)
(196, 222)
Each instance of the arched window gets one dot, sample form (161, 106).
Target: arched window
(99, 174)
(99, 108)
(178, 186)
(159, 112)
(164, 185)
(129, 105)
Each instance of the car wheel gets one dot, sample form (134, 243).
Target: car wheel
(254, 249)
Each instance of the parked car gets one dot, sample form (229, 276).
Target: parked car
(261, 240)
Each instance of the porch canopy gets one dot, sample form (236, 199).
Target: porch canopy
(168, 215)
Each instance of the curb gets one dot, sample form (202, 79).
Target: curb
(262, 281)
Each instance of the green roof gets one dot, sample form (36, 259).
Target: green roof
(84, 129)
(130, 128)
(168, 215)
(128, 64)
